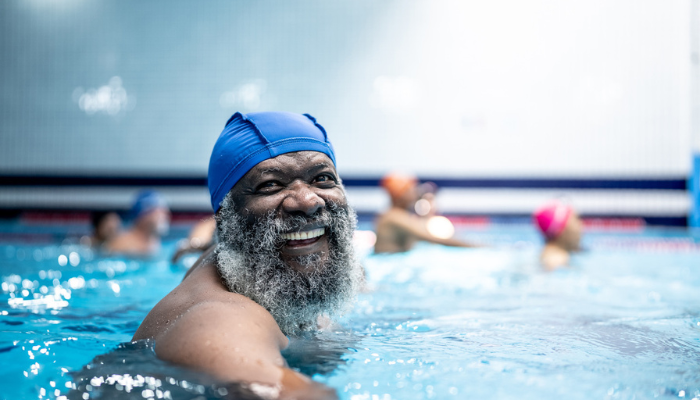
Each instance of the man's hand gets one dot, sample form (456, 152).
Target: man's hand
(297, 386)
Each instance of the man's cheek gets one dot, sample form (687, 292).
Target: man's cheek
(251, 219)
(338, 198)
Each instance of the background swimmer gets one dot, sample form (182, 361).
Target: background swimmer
(106, 225)
(201, 238)
(151, 221)
(411, 217)
(561, 228)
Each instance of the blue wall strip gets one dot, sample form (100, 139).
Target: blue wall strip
(694, 188)
(561, 183)
(671, 183)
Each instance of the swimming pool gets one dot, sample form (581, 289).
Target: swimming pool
(440, 323)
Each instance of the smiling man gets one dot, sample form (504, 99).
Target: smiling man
(283, 263)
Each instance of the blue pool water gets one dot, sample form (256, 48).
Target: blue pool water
(623, 323)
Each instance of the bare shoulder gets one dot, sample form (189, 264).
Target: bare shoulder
(129, 244)
(553, 257)
(221, 338)
(203, 293)
(123, 241)
(393, 219)
(398, 218)
(200, 324)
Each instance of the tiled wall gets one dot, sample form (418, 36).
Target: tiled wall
(453, 88)
(461, 88)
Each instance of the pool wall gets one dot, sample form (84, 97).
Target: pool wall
(531, 106)
(654, 200)
(694, 189)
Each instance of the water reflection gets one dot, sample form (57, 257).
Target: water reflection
(110, 99)
(132, 370)
(321, 353)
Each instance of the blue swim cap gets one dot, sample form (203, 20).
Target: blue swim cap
(147, 200)
(249, 139)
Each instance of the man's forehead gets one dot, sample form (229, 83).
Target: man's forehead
(300, 160)
(297, 162)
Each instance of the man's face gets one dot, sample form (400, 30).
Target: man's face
(109, 227)
(285, 240)
(297, 184)
(156, 221)
(570, 237)
(408, 199)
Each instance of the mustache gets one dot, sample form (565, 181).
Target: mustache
(271, 227)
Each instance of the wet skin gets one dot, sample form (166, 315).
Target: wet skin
(201, 325)
(143, 239)
(557, 252)
(300, 183)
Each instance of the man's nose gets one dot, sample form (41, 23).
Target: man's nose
(302, 199)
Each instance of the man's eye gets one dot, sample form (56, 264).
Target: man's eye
(325, 179)
(270, 185)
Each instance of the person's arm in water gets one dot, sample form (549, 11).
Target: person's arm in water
(203, 326)
(201, 238)
(130, 244)
(233, 351)
(418, 228)
(554, 257)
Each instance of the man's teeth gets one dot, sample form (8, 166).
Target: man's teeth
(304, 235)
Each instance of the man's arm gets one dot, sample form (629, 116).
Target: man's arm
(553, 258)
(417, 227)
(126, 244)
(200, 239)
(237, 342)
(206, 257)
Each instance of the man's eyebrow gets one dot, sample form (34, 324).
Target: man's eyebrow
(319, 166)
(271, 170)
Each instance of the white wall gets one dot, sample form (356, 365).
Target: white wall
(443, 88)
(513, 88)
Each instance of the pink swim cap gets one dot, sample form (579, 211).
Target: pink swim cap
(552, 217)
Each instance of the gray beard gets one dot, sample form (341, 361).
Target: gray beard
(249, 262)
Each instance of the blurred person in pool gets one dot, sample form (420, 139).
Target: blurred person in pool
(200, 239)
(562, 228)
(106, 225)
(151, 220)
(411, 217)
(283, 264)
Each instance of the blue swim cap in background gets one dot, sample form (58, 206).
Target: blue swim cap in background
(249, 139)
(147, 200)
